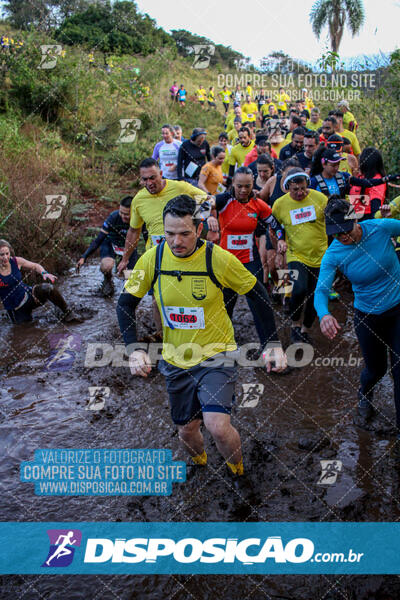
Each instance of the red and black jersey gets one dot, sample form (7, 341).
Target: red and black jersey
(241, 223)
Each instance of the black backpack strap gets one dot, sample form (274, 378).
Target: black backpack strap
(210, 271)
(322, 185)
(159, 255)
(341, 183)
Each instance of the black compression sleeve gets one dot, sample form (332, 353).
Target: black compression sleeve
(365, 182)
(126, 313)
(95, 244)
(258, 295)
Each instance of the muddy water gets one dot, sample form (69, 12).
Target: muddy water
(301, 418)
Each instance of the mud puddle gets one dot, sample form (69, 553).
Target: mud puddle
(298, 420)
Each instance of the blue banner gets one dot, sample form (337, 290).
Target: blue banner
(199, 548)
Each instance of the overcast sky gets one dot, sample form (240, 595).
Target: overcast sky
(259, 27)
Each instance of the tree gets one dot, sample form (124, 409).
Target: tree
(336, 14)
(185, 41)
(114, 28)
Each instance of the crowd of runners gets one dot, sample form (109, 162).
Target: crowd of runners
(281, 207)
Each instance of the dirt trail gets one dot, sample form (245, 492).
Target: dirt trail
(301, 418)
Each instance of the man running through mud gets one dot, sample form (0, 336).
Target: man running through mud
(187, 275)
(111, 240)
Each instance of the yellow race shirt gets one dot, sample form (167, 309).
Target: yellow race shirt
(239, 153)
(353, 140)
(233, 136)
(194, 305)
(264, 110)
(347, 118)
(225, 96)
(211, 96)
(249, 91)
(309, 104)
(250, 111)
(201, 94)
(314, 126)
(282, 100)
(148, 208)
(304, 224)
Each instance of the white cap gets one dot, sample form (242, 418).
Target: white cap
(304, 90)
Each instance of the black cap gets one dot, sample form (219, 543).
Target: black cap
(338, 223)
(331, 156)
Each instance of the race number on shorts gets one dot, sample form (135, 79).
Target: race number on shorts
(186, 317)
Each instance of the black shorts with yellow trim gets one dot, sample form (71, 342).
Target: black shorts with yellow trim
(206, 387)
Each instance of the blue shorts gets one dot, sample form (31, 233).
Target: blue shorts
(198, 389)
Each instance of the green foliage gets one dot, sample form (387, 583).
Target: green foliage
(116, 29)
(185, 41)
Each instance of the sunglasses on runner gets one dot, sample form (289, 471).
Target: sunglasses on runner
(334, 145)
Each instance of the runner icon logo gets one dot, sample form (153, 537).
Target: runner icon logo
(97, 397)
(330, 469)
(129, 128)
(63, 543)
(202, 55)
(251, 394)
(54, 206)
(49, 56)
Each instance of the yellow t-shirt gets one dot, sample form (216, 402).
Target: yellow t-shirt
(239, 153)
(225, 96)
(201, 94)
(233, 136)
(194, 305)
(304, 224)
(225, 164)
(264, 110)
(213, 175)
(347, 117)
(353, 140)
(309, 104)
(314, 126)
(282, 100)
(250, 111)
(278, 147)
(249, 91)
(148, 208)
(211, 96)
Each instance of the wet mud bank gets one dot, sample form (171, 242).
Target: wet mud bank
(287, 429)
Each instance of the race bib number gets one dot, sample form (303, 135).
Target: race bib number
(240, 242)
(118, 250)
(221, 188)
(156, 239)
(250, 115)
(303, 215)
(185, 317)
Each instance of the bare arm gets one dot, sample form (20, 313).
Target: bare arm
(35, 267)
(202, 182)
(267, 190)
(131, 241)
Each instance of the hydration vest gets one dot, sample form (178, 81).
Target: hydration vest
(339, 180)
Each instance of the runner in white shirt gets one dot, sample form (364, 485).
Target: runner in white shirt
(166, 152)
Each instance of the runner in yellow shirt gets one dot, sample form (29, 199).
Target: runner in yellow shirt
(308, 103)
(349, 120)
(240, 151)
(211, 98)
(249, 91)
(283, 98)
(201, 95)
(225, 95)
(233, 134)
(250, 110)
(345, 132)
(314, 122)
(301, 212)
(187, 276)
